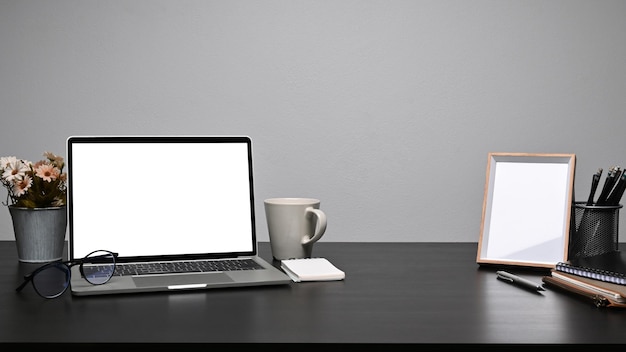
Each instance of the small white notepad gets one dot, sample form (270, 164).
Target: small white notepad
(311, 269)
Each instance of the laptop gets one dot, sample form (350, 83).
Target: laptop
(164, 199)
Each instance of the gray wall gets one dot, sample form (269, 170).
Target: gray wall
(385, 110)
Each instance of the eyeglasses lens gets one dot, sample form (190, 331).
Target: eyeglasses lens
(98, 267)
(52, 280)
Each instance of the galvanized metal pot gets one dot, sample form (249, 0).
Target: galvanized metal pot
(39, 233)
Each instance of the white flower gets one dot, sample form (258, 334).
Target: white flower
(15, 169)
(5, 161)
(22, 186)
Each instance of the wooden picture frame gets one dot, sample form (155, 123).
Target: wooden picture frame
(526, 209)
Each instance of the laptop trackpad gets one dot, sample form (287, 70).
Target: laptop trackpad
(173, 280)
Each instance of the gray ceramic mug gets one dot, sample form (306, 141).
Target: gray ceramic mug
(294, 225)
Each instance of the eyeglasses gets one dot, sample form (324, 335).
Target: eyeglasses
(52, 279)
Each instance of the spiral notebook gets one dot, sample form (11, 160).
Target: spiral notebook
(608, 267)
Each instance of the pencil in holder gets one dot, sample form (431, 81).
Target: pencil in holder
(595, 230)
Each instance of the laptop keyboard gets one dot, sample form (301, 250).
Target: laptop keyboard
(126, 269)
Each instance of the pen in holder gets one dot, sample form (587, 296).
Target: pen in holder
(594, 230)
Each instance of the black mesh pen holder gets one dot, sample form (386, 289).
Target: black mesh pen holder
(595, 229)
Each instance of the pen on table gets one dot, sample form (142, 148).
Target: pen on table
(514, 279)
(594, 186)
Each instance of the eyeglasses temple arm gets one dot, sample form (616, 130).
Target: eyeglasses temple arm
(27, 279)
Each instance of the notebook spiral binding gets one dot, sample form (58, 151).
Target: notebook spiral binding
(592, 273)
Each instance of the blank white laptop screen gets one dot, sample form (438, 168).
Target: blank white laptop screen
(161, 198)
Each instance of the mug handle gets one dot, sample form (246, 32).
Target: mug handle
(320, 226)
